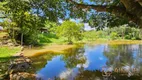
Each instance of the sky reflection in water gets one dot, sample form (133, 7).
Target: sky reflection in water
(91, 58)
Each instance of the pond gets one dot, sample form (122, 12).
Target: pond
(92, 62)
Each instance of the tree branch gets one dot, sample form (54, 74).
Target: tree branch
(134, 7)
(99, 8)
(117, 10)
(2, 17)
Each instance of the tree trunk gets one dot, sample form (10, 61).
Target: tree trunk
(70, 40)
(22, 39)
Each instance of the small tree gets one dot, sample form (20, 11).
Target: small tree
(51, 26)
(70, 30)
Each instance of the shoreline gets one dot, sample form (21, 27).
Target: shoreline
(116, 42)
(58, 48)
(46, 49)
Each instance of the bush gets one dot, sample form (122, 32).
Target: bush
(90, 35)
(113, 35)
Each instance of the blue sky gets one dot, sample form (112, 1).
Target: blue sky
(86, 25)
(88, 1)
(1, 20)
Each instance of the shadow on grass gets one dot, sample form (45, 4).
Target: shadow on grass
(45, 37)
(8, 59)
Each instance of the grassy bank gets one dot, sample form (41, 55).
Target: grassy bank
(115, 42)
(6, 51)
(2, 34)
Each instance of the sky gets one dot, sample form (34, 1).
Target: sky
(1, 20)
(88, 1)
(86, 25)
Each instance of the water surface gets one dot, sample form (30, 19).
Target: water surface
(92, 62)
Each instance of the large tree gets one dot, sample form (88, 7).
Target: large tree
(70, 30)
(130, 9)
(55, 9)
(29, 16)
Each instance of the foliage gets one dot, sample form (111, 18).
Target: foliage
(50, 26)
(114, 35)
(2, 6)
(46, 37)
(70, 30)
(121, 32)
(94, 35)
(11, 29)
(102, 20)
(28, 17)
(90, 35)
(21, 22)
(128, 11)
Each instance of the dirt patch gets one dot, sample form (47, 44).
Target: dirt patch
(46, 49)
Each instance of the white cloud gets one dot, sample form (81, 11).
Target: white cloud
(73, 20)
(76, 20)
(1, 28)
(60, 21)
(83, 65)
(127, 68)
(65, 74)
(87, 27)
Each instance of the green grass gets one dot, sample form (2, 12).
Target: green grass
(2, 34)
(6, 51)
(51, 39)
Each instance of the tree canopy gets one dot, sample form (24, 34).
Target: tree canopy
(29, 16)
(85, 9)
(71, 30)
(129, 9)
(54, 9)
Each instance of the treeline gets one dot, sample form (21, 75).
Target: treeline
(70, 32)
(115, 33)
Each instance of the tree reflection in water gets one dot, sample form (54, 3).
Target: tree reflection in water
(73, 57)
(119, 57)
(124, 56)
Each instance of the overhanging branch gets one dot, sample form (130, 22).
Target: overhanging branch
(99, 8)
(117, 10)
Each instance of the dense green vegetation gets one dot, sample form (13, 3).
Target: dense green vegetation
(26, 22)
(116, 33)
(70, 30)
